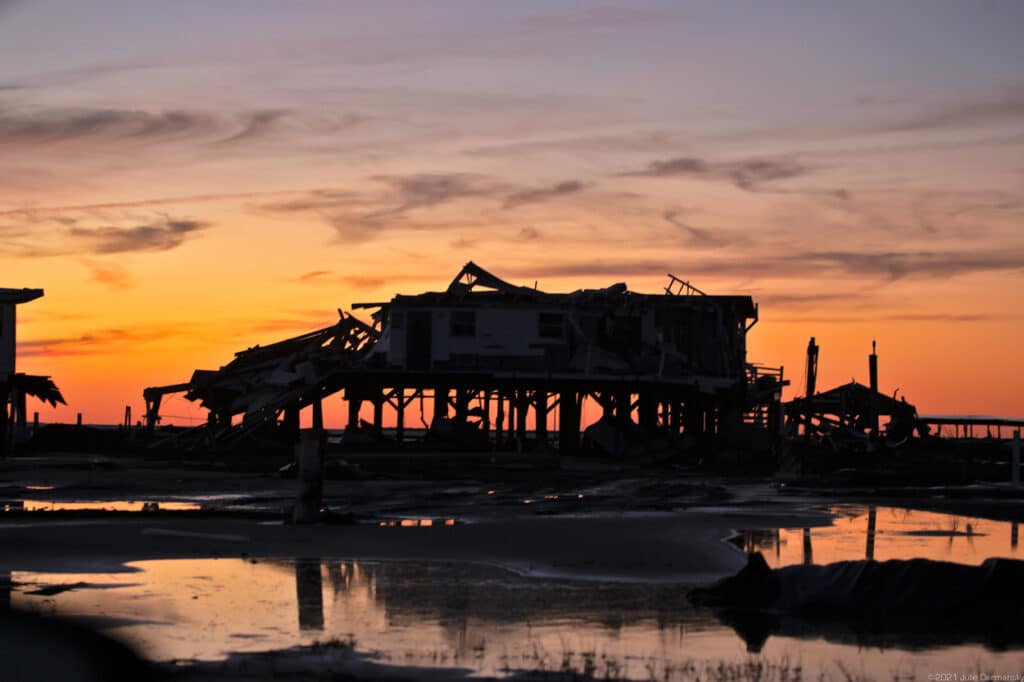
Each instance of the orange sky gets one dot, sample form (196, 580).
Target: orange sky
(184, 185)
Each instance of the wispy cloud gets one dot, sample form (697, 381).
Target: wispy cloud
(601, 17)
(42, 212)
(533, 196)
(62, 236)
(875, 266)
(1005, 107)
(158, 236)
(37, 127)
(359, 216)
(65, 126)
(359, 281)
(913, 264)
(943, 318)
(98, 342)
(110, 275)
(431, 189)
(696, 236)
(748, 174)
(256, 124)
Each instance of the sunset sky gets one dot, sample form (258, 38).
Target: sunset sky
(186, 179)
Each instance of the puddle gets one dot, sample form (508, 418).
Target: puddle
(98, 505)
(415, 523)
(882, 533)
(438, 614)
(493, 621)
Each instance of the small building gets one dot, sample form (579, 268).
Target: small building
(10, 299)
(14, 387)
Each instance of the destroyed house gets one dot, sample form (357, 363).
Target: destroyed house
(482, 323)
(499, 352)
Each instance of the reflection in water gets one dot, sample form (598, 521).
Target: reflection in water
(882, 533)
(490, 620)
(869, 554)
(445, 615)
(309, 594)
(99, 505)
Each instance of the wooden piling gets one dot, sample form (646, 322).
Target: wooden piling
(870, 551)
(568, 423)
(1015, 458)
(309, 461)
(400, 414)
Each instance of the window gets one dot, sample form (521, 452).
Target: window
(463, 323)
(550, 325)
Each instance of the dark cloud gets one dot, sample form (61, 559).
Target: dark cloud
(67, 126)
(601, 17)
(256, 124)
(53, 126)
(696, 236)
(314, 276)
(318, 200)
(48, 212)
(894, 317)
(41, 237)
(158, 236)
(431, 189)
(360, 217)
(99, 342)
(673, 167)
(529, 233)
(353, 281)
(748, 174)
(597, 268)
(1008, 107)
(532, 196)
(920, 264)
(879, 266)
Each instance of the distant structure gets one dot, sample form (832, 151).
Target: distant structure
(14, 387)
(494, 357)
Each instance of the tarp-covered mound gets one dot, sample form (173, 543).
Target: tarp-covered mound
(912, 602)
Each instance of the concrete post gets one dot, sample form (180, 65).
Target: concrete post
(309, 460)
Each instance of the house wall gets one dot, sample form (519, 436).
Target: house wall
(7, 339)
(704, 338)
(500, 333)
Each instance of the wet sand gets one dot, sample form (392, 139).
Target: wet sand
(632, 547)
